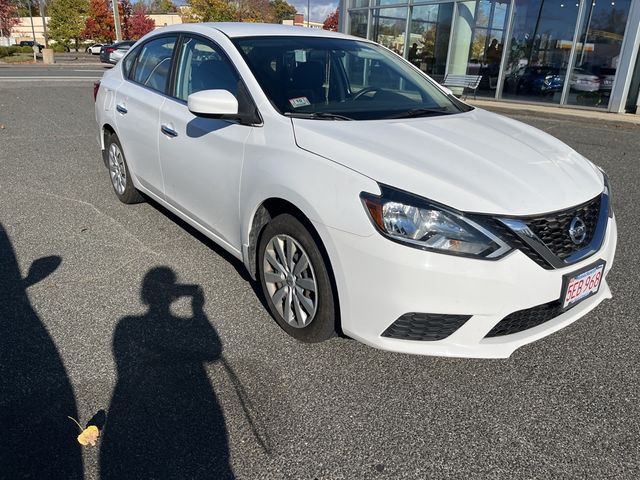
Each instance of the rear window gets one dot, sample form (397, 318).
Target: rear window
(153, 63)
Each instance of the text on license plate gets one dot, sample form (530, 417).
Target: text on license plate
(583, 285)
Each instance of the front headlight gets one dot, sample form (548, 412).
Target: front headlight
(420, 223)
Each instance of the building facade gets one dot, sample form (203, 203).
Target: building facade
(575, 53)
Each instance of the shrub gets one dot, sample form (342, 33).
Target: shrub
(59, 48)
(26, 49)
(13, 49)
(4, 51)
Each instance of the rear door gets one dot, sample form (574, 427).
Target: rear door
(201, 158)
(138, 103)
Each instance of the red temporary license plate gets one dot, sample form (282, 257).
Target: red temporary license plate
(582, 284)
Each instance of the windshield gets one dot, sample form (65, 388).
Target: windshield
(329, 78)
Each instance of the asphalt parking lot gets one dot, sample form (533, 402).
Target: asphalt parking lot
(254, 403)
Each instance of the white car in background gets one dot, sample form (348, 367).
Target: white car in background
(362, 196)
(94, 49)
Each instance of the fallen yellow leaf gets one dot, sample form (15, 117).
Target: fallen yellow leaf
(89, 436)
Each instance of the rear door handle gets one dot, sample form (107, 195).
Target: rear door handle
(168, 131)
(121, 108)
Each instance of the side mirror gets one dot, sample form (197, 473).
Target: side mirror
(214, 103)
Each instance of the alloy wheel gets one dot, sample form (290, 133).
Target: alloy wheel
(117, 169)
(290, 280)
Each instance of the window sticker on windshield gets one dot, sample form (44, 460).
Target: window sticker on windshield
(301, 56)
(299, 102)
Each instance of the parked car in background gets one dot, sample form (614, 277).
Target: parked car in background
(119, 52)
(95, 48)
(29, 43)
(106, 51)
(368, 201)
(583, 81)
(535, 80)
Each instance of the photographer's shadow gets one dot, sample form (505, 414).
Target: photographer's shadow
(164, 420)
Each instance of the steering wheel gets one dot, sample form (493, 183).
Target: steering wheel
(364, 91)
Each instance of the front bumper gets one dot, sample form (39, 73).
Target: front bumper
(378, 281)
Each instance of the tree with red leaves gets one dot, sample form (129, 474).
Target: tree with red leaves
(140, 24)
(331, 22)
(8, 14)
(99, 24)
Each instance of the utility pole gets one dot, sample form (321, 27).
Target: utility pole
(33, 31)
(44, 25)
(308, 13)
(116, 20)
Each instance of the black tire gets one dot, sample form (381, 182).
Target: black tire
(323, 323)
(130, 194)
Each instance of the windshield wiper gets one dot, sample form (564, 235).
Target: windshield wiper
(318, 115)
(420, 112)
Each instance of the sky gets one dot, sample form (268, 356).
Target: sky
(320, 9)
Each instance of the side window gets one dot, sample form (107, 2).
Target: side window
(203, 67)
(153, 63)
(128, 62)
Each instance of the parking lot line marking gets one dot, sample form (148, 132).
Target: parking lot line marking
(45, 78)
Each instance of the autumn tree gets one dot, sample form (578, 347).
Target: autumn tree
(211, 11)
(125, 10)
(281, 10)
(255, 11)
(67, 20)
(140, 24)
(331, 22)
(99, 23)
(7, 17)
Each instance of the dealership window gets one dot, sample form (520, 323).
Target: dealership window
(389, 26)
(597, 52)
(430, 29)
(358, 21)
(478, 41)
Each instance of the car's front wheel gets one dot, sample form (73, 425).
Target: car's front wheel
(295, 280)
(119, 171)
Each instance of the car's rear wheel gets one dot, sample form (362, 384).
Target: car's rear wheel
(119, 172)
(295, 280)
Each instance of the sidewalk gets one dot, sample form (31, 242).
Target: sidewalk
(556, 111)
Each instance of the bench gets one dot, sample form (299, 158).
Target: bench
(470, 82)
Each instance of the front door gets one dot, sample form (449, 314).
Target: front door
(201, 158)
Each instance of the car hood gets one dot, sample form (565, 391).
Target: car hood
(475, 161)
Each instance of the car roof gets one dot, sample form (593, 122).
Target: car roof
(239, 29)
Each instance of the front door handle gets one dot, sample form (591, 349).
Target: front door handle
(121, 108)
(168, 131)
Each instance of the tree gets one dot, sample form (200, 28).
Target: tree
(125, 10)
(254, 11)
(211, 11)
(7, 17)
(67, 20)
(281, 10)
(162, 6)
(99, 23)
(331, 22)
(140, 24)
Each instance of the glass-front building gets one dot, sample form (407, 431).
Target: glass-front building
(578, 53)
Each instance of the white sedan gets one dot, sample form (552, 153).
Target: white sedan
(94, 49)
(363, 197)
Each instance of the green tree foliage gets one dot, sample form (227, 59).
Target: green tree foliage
(281, 10)
(67, 20)
(211, 11)
(266, 11)
(162, 6)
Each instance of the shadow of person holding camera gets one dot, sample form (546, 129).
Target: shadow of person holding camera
(164, 421)
(37, 440)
